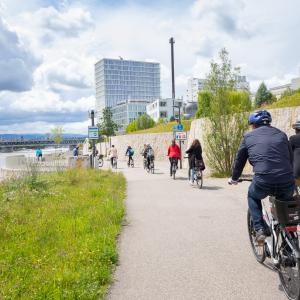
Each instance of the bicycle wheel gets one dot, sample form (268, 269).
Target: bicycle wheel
(259, 251)
(152, 167)
(100, 162)
(173, 170)
(289, 266)
(199, 179)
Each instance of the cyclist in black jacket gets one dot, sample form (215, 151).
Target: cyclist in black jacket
(270, 154)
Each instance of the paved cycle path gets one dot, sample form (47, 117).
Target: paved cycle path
(184, 243)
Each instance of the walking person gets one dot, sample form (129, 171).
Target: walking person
(76, 152)
(174, 153)
(194, 153)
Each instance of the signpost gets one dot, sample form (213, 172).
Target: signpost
(180, 135)
(93, 133)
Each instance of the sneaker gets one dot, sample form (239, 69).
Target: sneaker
(260, 237)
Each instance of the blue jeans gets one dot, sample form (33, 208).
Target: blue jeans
(258, 191)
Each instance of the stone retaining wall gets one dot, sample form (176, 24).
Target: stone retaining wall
(159, 142)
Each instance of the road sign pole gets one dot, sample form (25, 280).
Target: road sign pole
(92, 161)
(179, 119)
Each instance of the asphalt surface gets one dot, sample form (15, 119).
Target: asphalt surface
(180, 242)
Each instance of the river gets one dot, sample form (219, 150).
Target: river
(29, 153)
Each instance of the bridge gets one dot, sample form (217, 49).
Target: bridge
(34, 143)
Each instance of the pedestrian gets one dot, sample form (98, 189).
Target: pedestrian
(76, 152)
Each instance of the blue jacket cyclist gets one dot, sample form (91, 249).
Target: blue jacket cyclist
(269, 152)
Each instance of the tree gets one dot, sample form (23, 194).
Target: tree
(107, 126)
(142, 122)
(204, 100)
(227, 117)
(263, 96)
(57, 134)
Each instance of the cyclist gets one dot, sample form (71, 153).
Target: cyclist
(174, 153)
(129, 153)
(295, 144)
(144, 154)
(149, 155)
(194, 153)
(270, 154)
(113, 154)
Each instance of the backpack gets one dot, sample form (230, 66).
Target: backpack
(150, 152)
(131, 152)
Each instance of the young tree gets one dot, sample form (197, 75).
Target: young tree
(204, 100)
(57, 134)
(107, 126)
(263, 96)
(227, 120)
(142, 122)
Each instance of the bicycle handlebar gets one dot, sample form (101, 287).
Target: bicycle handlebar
(245, 179)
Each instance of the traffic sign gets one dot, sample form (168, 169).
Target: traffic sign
(178, 127)
(180, 135)
(93, 133)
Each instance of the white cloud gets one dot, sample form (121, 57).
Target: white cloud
(72, 37)
(17, 62)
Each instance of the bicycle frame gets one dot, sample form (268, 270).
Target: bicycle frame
(272, 241)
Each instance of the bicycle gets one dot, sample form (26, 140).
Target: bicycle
(282, 241)
(174, 162)
(100, 161)
(130, 162)
(150, 168)
(145, 163)
(114, 163)
(198, 174)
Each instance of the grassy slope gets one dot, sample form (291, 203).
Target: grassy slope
(58, 238)
(165, 127)
(287, 101)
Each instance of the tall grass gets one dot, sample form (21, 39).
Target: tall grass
(58, 234)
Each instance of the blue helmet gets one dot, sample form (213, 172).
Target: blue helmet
(260, 117)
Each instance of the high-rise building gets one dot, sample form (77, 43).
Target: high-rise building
(120, 81)
(194, 86)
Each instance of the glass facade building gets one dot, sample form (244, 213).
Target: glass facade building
(125, 113)
(119, 81)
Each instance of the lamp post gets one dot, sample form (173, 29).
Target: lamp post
(172, 42)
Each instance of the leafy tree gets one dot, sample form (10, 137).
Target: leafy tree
(107, 126)
(142, 122)
(204, 100)
(263, 96)
(57, 134)
(227, 117)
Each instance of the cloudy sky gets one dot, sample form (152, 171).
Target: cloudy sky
(48, 49)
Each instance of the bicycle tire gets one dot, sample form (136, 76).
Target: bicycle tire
(174, 171)
(289, 269)
(258, 251)
(100, 163)
(199, 181)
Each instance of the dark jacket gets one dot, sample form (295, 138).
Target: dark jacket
(295, 144)
(194, 153)
(270, 154)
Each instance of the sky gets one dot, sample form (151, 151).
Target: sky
(48, 49)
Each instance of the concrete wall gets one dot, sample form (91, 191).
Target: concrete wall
(283, 118)
(159, 142)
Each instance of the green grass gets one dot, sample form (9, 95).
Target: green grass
(164, 127)
(58, 235)
(288, 101)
